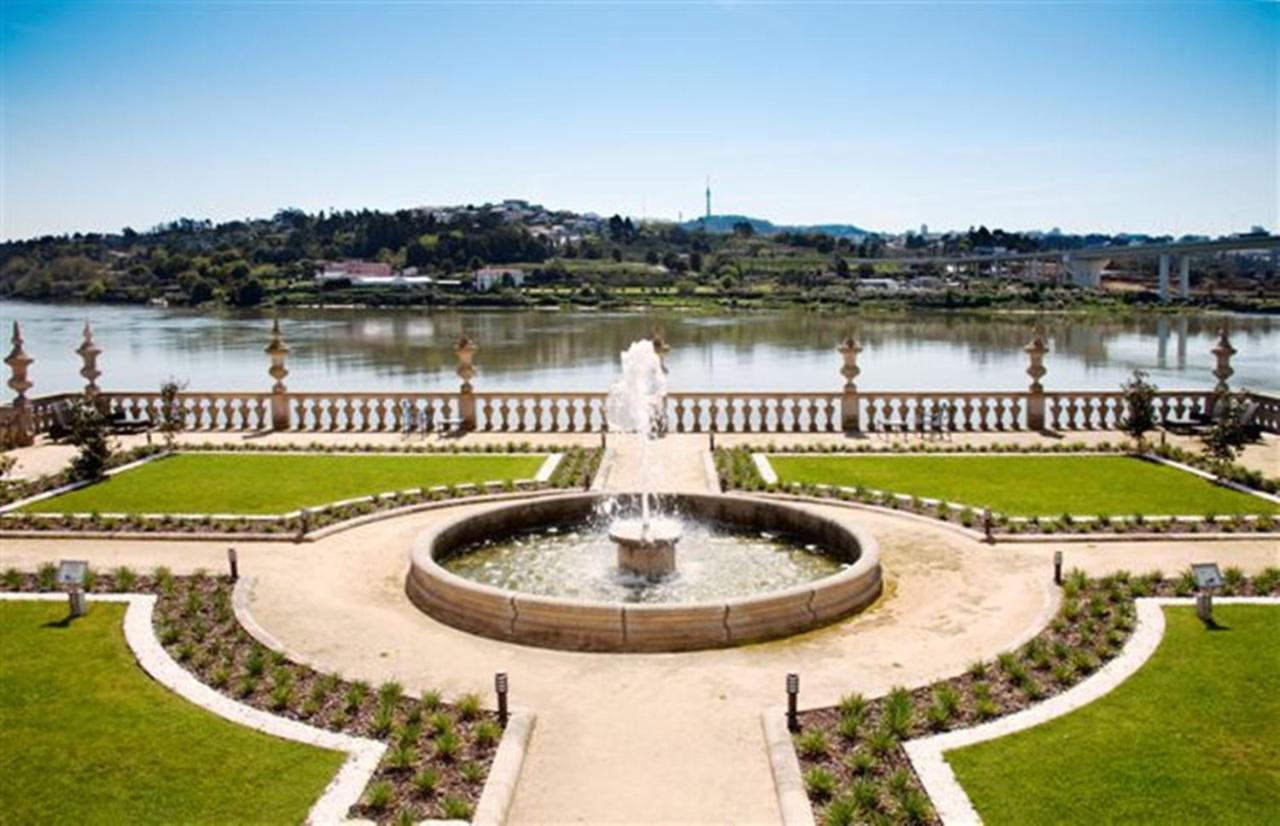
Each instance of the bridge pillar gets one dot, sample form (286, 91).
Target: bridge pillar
(1184, 276)
(1084, 272)
(1162, 286)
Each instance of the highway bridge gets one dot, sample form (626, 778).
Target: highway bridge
(1085, 265)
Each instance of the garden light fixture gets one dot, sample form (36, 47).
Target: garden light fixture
(71, 574)
(793, 694)
(233, 563)
(500, 686)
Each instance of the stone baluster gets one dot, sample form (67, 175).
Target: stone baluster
(19, 361)
(89, 352)
(848, 350)
(465, 350)
(1223, 351)
(277, 350)
(1035, 351)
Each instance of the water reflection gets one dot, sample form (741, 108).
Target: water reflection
(412, 349)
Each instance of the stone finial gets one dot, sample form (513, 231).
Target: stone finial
(660, 346)
(1223, 351)
(277, 350)
(849, 349)
(18, 362)
(89, 352)
(1035, 350)
(465, 349)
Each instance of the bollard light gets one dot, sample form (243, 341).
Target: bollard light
(1057, 567)
(988, 525)
(72, 574)
(1208, 577)
(233, 563)
(793, 695)
(603, 440)
(500, 686)
(711, 437)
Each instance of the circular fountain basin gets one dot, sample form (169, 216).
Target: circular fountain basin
(832, 571)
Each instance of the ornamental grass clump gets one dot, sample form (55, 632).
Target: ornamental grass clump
(820, 783)
(813, 743)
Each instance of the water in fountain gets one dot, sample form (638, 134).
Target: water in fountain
(634, 406)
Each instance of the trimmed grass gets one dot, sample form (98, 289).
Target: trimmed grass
(89, 738)
(1030, 485)
(1194, 737)
(267, 483)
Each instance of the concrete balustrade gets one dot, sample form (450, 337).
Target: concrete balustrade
(848, 409)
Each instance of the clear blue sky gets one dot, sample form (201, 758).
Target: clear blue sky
(1144, 117)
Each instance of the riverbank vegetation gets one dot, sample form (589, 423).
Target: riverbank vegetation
(583, 261)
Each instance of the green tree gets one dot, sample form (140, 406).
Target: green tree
(1227, 433)
(172, 416)
(1139, 407)
(89, 433)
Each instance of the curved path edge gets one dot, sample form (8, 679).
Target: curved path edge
(363, 755)
(504, 773)
(927, 754)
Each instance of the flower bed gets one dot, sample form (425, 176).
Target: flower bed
(851, 755)
(438, 753)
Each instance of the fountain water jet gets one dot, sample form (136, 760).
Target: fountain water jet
(647, 545)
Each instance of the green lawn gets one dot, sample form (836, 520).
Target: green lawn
(1029, 485)
(1194, 737)
(89, 738)
(265, 483)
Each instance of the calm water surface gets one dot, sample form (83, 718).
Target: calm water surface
(350, 349)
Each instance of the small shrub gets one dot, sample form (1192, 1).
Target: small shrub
(487, 733)
(986, 708)
(440, 723)
(389, 693)
(356, 692)
(843, 811)
(853, 705)
(471, 772)
(1064, 674)
(401, 757)
(125, 578)
(255, 665)
(820, 783)
(977, 669)
(447, 746)
(861, 762)
(12, 579)
(865, 794)
(914, 807)
(812, 744)
(426, 782)
(881, 742)
(469, 706)
(455, 808)
(430, 700)
(849, 727)
(383, 720)
(47, 577)
(378, 796)
(898, 713)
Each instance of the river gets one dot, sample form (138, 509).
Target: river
(370, 349)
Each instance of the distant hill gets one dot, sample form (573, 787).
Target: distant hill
(724, 224)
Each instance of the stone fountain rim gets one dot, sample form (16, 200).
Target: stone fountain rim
(422, 557)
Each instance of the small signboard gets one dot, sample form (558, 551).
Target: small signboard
(72, 572)
(1207, 575)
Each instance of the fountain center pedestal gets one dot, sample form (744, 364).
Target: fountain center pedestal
(646, 549)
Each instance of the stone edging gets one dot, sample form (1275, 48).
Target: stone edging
(927, 754)
(499, 787)
(788, 783)
(548, 467)
(1204, 474)
(710, 472)
(363, 755)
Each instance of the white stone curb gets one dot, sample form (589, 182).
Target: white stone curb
(927, 754)
(363, 755)
(788, 784)
(1204, 474)
(709, 471)
(765, 469)
(549, 466)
